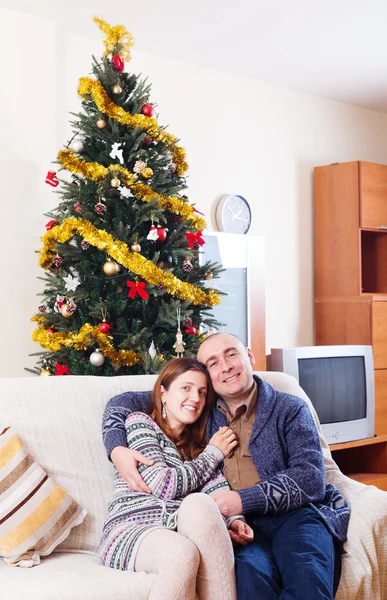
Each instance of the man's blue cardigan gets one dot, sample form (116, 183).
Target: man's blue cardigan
(284, 446)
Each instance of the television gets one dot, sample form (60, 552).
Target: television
(339, 381)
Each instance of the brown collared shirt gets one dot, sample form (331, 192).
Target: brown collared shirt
(239, 468)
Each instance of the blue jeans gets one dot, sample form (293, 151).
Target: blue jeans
(293, 557)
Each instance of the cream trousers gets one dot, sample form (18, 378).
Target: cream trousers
(197, 558)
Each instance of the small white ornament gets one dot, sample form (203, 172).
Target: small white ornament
(152, 350)
(116, 152)
(125, 192)
(76, 145)
(71, 283)
(59, 303)
(97, 358)
(139, 166)
(152, 235)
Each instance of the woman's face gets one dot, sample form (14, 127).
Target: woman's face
(185, 399)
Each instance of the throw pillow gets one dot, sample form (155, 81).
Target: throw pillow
(35, 514)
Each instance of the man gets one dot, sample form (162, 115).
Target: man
(276, 476)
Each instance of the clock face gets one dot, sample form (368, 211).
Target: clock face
(233, 214)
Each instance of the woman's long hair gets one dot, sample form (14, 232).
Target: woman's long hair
(193, 439)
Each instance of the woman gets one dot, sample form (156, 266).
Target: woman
(178, 535)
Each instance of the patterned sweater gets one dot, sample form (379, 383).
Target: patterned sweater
(131, 515)
(284, 446)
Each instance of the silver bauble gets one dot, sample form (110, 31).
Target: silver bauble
(76, 145)
(97, 358)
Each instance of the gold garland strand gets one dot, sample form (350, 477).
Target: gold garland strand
(120, 252)
(89, 86)
(96, 172)
(115, 35)
(86, 337)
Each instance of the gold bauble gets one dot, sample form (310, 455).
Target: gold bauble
(117, 89)
(135, 248)
(45, 373)
(115, 182)
(101, 123)
(209, 276)
(146, 173)
(111, 268)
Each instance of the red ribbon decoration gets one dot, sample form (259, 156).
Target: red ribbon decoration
(61, 369)
(195, 237)
(198, 211)
(137, 288)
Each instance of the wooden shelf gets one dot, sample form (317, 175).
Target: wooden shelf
(377, 439)
(377, 479)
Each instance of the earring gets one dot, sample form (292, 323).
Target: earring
(164, 412)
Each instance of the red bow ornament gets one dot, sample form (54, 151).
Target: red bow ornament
(195, 238)
(61, 369)
(137, 288)
(51, 224)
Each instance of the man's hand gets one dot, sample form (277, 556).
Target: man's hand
(229, 503)
(126, 462)
(241, 533)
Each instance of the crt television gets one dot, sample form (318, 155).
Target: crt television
(339, 381)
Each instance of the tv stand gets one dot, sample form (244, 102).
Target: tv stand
(363, 460)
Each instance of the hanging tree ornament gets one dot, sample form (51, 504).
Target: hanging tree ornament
(42, 308)
(97, 358)
(137, 288)
(111, 267)
(68, 310)
(148, 110)
(117, 89)
(100, 207)
(187, 322)
(195, 239)
(105, 327)
(61, 369)
(187, 266)
(51, 179)
(45, 372)
(115, 182)
(139, 166)
(58, 261)
(191, 330)
(76, 145)
(179, 344)
(116, 152)
(71, 282)
(161, 233)
(101, 123)
(152, 235)
(118, 62)
(135, 247)
(85, 245)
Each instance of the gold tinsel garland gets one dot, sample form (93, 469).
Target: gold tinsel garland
(115, 35)
(91, 87)
(96, 172)
(87, 336)
(119, 251)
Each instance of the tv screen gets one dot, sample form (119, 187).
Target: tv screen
(336, 387)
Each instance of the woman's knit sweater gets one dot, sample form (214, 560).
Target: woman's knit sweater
(131, 515)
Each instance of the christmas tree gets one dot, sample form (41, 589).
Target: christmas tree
(123, 287)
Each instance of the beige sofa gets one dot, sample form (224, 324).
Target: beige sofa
(59, 420)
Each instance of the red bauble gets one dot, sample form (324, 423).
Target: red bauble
(148, 140)
(191, 330)
(105, 327)
(148, 110)
(78, 208)
(50, 330)
(162, 234)
(118, 62)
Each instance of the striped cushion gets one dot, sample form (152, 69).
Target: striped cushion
(35, 514)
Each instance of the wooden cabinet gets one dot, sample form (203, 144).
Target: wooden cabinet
(364, 460)
(350, 228)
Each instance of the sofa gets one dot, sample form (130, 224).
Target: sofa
(58, 420)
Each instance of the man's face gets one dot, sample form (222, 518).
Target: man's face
(229, 364)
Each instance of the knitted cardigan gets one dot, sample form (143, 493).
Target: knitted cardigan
(284, 446)
(131, 515)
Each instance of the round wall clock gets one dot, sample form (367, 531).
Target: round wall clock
(233, 214)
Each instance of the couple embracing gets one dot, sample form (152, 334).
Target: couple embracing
(216, 458)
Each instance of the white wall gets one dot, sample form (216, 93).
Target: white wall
(241, 136)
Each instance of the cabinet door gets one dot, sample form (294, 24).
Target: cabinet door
(381, 401)
(379, 334)
(373, 195)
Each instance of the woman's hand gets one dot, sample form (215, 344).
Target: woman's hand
(240, 532)
(224, 439)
